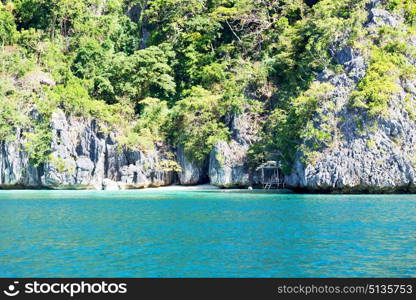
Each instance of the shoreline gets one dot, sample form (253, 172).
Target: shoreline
(177, 187)
(213, 188)
(169, 188)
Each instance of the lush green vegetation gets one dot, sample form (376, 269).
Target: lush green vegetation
(176, 71)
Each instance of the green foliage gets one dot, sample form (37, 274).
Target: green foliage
(13, 108)
(11, 117)
(33, 13)
(60, 164)
(150, 128)
(74, 98)
(389, 64)
(177, 71)
(379, 84)
(288, 129)
(197, 119)
(410, 107)
(90, 58)
(168, 165)
(8, 32)
(54, 16)
(54, 60)
(146, 73)
(38, 142)
(213, 73)
(154, 116)
(408, 6)
(257, 154)
(15, 64)
(301, 51)
(371, 144)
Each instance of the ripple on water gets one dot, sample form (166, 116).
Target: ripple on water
(197, 234)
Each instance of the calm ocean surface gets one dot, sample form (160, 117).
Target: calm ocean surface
(151, 233)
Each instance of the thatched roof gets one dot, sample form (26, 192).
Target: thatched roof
(271, 164)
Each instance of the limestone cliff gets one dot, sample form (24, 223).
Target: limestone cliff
(228, 165)
(81, 156)
(366, 152)
(351, 144)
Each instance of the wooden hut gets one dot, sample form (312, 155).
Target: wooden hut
(270, 174)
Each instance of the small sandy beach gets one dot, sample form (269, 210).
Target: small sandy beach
(188, 187)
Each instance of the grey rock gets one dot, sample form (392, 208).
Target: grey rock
(228, 161)
(380, 17)
(228, 165)
(110, 185)
(34, 80)
(362, 156)
(82, 156)
(353, 62)
(15, 168)
(191, 173)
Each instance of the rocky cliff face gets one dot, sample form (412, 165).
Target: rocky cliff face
(14, 166)
(191, 173)
(82, 156)
(369, 154)
(228, 164)
(366, 153)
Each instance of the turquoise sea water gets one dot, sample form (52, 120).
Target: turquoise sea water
(151, 233)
